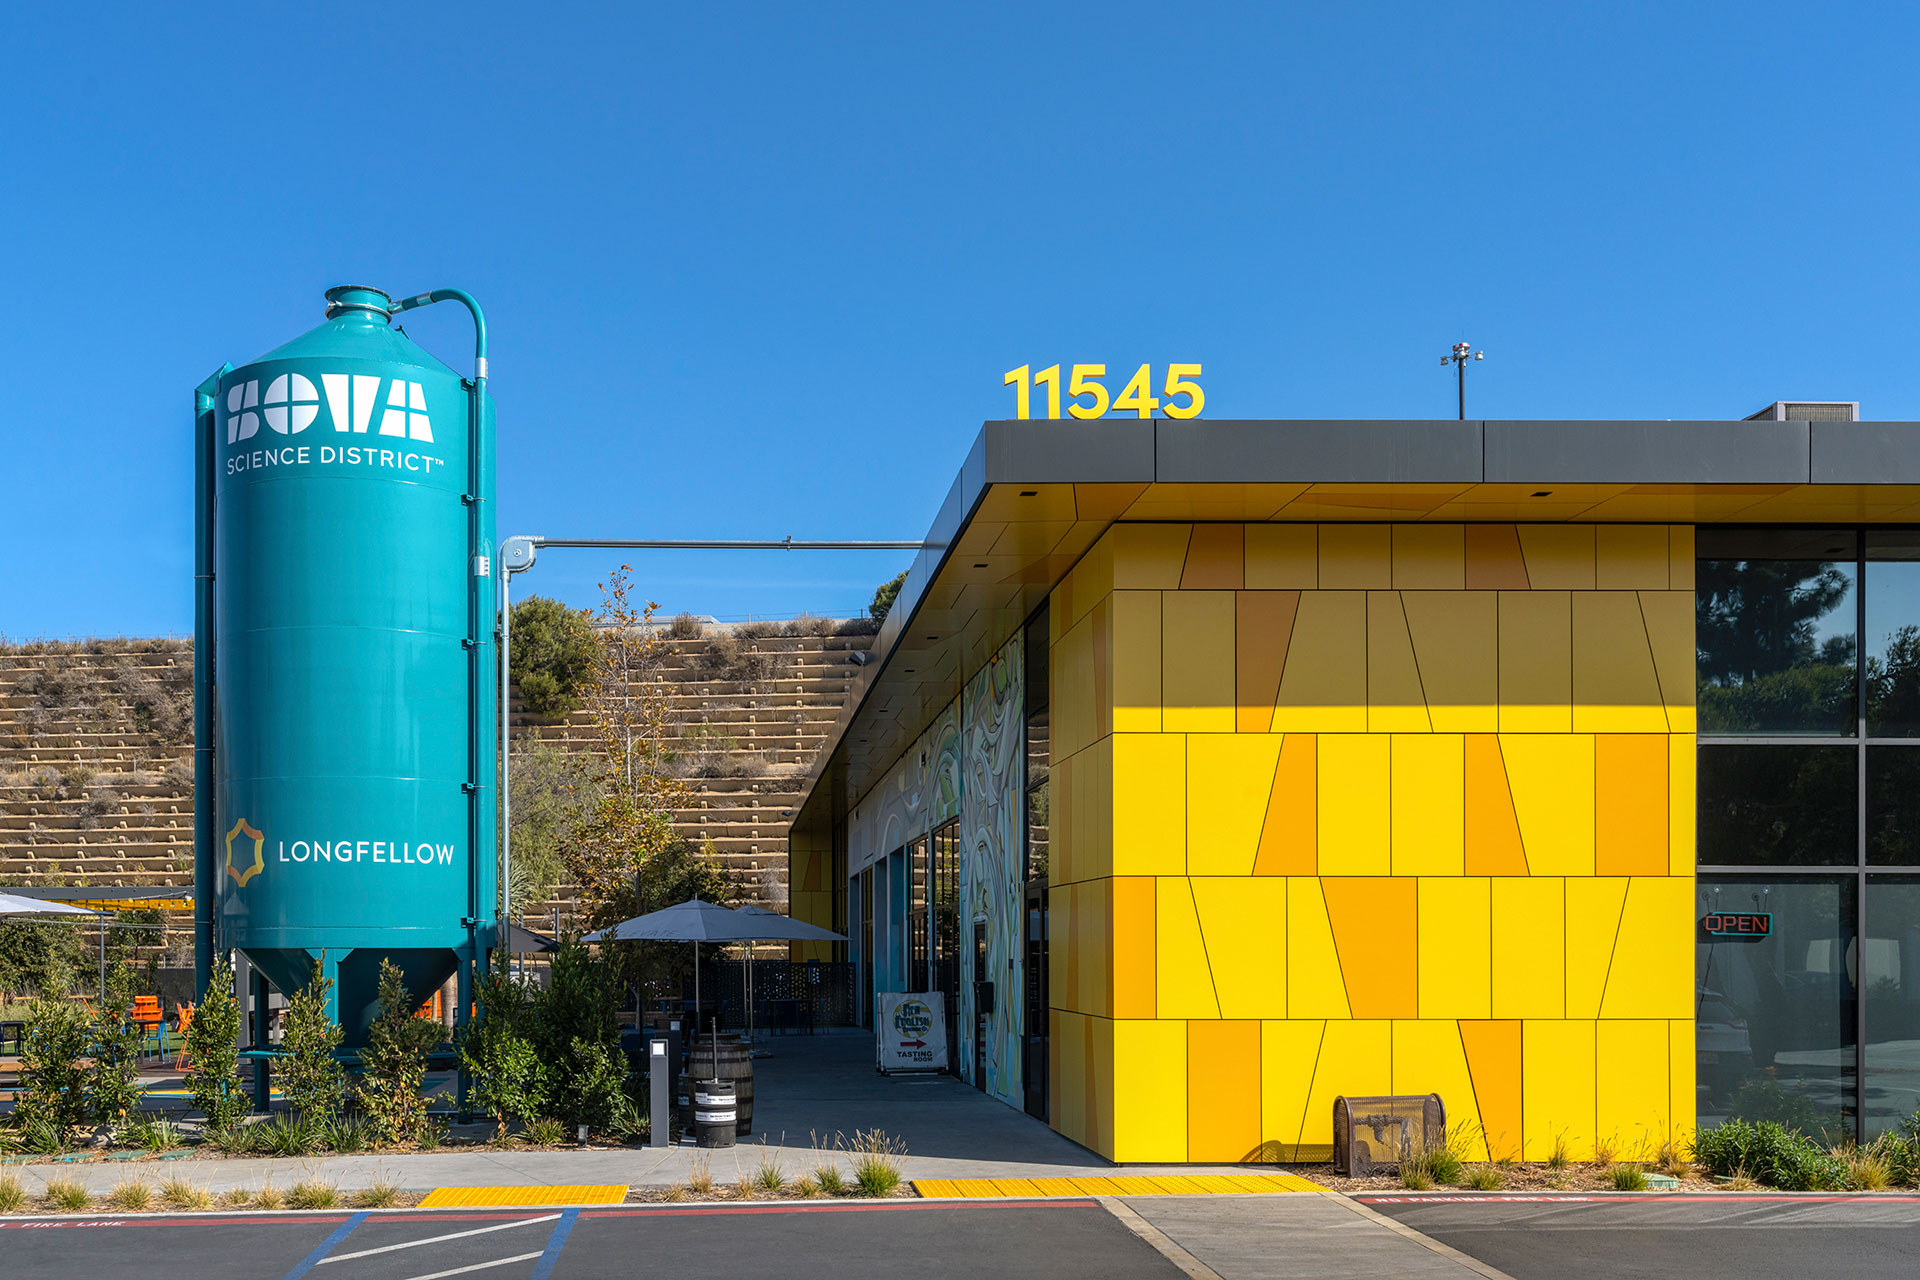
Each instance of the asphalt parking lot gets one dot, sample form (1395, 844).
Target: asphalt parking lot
(1008, 1240)
(1571, 1237)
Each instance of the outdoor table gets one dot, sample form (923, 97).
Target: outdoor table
(786, 1014)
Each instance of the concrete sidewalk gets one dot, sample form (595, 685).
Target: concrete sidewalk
(811, 1092)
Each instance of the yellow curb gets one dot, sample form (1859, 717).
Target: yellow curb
(1160, 1185)
(518, 1197)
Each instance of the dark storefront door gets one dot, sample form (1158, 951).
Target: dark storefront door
(982, 1004)
(1036, 1001)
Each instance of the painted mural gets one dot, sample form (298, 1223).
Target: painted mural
(918, 793)
(993, 869)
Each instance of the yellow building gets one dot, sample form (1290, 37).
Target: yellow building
(1214, 770)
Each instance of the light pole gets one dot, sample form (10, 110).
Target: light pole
(1462, 352)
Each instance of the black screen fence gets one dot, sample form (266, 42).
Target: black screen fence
(787, 994)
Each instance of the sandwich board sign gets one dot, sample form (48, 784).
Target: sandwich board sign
(911, 1031)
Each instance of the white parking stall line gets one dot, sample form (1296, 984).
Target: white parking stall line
(457, 1235)
(478, 1266)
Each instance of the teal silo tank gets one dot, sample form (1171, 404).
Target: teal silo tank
(353, 659)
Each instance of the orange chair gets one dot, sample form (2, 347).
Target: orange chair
(186, 1020)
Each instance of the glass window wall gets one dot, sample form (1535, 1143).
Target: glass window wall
(1809, 784)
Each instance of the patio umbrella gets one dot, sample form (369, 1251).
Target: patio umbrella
(774, 927)
(694, 921)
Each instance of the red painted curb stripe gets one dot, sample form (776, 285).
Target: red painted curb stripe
(1673, 1197)
(906, 1206)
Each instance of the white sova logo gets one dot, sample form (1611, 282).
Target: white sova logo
(291, 405)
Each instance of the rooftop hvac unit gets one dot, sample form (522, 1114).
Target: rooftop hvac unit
(1808, 411)
(1369, 1133)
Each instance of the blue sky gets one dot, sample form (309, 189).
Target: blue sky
(757, 271)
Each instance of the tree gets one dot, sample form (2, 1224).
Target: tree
(213, 1054)
(553, 653)
(1762, 664)
(113, 1090)
(314, 1080)
(674, 874)
(577, 1039)
(394, 1063)
(625, 816)
(884, 595)
(53, 1083)
(549, 786)
(1757, 617)
(496, 1051)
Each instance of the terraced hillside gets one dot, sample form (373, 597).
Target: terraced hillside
(96, 772)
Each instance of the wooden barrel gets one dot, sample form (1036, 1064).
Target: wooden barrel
(735, 1064)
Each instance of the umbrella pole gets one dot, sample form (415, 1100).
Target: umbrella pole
(696, 993)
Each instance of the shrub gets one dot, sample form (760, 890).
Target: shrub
(700, 1180)
(286, 1134)
(553, 652)
(269, 1197)
(729, 656)
(134, 1197)
(314, 1080)
(155, 1133)
(68, 1194)
(213, 1055)
(808, 625)
(1558, 1158)
(577, 1041)
(1627, 1177)
(830, 1180)
(545, 1132)
(496, 1053)
(1771, 1154)
(1414, 1176)
(394, 1063)
(1868, 1169)
(1483, 1177)
(876, 1162)
(234, 1140)
(684, 626)
(13, 1192)
(39, 1135)
(53, 1085)
(178, 1193)
(378, 1194)
(349, 1134)
(312, 1194)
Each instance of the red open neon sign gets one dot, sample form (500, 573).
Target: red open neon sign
(1737, 924)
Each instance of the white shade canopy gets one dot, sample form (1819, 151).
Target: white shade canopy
(14, 905)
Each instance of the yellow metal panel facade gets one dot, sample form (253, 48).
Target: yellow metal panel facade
(1197, 669)
(1455, 854)
(1229, 785)
(1428, 816)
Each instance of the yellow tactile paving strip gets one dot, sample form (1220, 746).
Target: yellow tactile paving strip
(517, 1197)
(1160, 1185)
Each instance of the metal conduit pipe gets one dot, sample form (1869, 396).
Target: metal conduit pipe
(517, 555)
(481, 763)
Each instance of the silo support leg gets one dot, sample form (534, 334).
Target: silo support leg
(462, 1011)
(262, 1066)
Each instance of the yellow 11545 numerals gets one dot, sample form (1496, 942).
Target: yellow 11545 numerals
(1137, 395)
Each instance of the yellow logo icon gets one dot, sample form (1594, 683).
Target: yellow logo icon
(240, 877)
